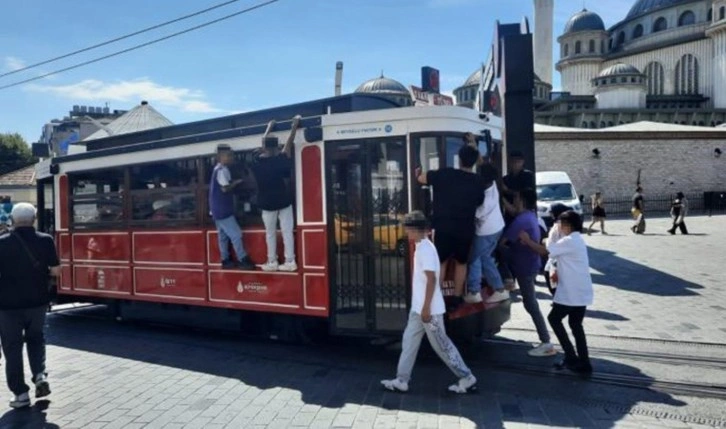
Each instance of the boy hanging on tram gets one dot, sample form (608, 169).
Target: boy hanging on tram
(272, 169)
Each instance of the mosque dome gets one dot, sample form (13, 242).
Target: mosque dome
(381, 84)
(584, 21)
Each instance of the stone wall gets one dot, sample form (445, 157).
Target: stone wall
(668, 162)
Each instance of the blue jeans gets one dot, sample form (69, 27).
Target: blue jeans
(228, 229)
(481, 263)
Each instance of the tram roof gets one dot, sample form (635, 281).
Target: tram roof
(210, 129)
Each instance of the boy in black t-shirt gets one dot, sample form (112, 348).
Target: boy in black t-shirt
(272, 169)
(457, 194)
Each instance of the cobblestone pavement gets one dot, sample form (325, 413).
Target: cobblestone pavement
(655, 285)
(110, 375)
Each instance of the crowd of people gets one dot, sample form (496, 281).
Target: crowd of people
(471, 224)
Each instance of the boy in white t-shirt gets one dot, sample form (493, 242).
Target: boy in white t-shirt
(574, 289)
(427, 314)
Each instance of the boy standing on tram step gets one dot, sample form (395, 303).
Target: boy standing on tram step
(28, 260)
(221, 205)
(272, 169)
(574, 289)
(457, 194)
(427, 314)
(489, 227)
(525, 263)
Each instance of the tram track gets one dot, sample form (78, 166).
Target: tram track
(682, 388)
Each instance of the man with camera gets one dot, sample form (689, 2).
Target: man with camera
(272, 169)
(28, 260)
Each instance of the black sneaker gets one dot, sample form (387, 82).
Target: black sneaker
(246, 264)
(42, 387)
(227, 264)
(566, 363)
(582, 368)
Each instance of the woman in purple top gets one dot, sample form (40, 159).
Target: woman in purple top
(525, 263)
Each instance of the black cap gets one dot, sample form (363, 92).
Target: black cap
(516, 154)
(223, 148)
(416, 219)
(557, 209)
(271, 142)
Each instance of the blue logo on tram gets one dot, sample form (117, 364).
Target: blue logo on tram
(389, 128)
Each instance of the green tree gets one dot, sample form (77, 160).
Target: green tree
(14, 152)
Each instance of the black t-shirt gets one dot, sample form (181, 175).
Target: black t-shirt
(22, 285)
(638, 201)
(273, 191)
(457, 194)
(677, 206)
(517, 182)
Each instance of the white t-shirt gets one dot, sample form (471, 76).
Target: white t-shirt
(489, 219)
(426, 258)
(574, 286)
(224, 178)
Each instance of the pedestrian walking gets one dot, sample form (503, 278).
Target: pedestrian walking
(28, 260)
(427, 314)
(574, 290)
(525, 263)
(638, 211)
(598, 213)
(679, 208)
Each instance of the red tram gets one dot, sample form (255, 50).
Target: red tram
(132, 225)
(132, 221)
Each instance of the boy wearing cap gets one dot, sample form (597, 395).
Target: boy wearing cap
(427, 314)
(221, 205)
(272, 169)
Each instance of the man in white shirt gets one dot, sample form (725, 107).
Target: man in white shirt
(489, 227)
(427, 314)
(574, 290)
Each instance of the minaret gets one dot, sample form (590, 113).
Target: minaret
(717, 32)
(544, 13)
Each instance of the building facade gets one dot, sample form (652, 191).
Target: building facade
(664, 62)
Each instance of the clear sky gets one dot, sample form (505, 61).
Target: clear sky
(281, 54)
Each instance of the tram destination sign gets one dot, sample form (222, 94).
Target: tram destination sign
(425, 98)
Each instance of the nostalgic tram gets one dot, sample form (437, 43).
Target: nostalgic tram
(132, 225)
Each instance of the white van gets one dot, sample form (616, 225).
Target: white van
(555, 187)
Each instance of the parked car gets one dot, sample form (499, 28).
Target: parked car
(555, 187)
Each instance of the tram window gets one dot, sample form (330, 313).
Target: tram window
(97, 197)
(453, 144)
(164, 192)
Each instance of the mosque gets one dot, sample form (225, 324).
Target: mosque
(664, 62)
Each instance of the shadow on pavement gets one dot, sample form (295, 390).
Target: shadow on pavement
(347, 371)
(28, 418)
(605, 315)
(625, 274)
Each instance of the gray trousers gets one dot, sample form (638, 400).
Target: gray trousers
(440, 342)
(529, 297)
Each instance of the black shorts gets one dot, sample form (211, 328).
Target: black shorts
(453, 244)
(598, 212)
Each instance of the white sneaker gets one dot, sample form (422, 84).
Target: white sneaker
(395, 385)
(498, 296)
(270, 266)
(20, 401)
(543, 350)
(288, 266)
(473, 298)
(464, 385)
